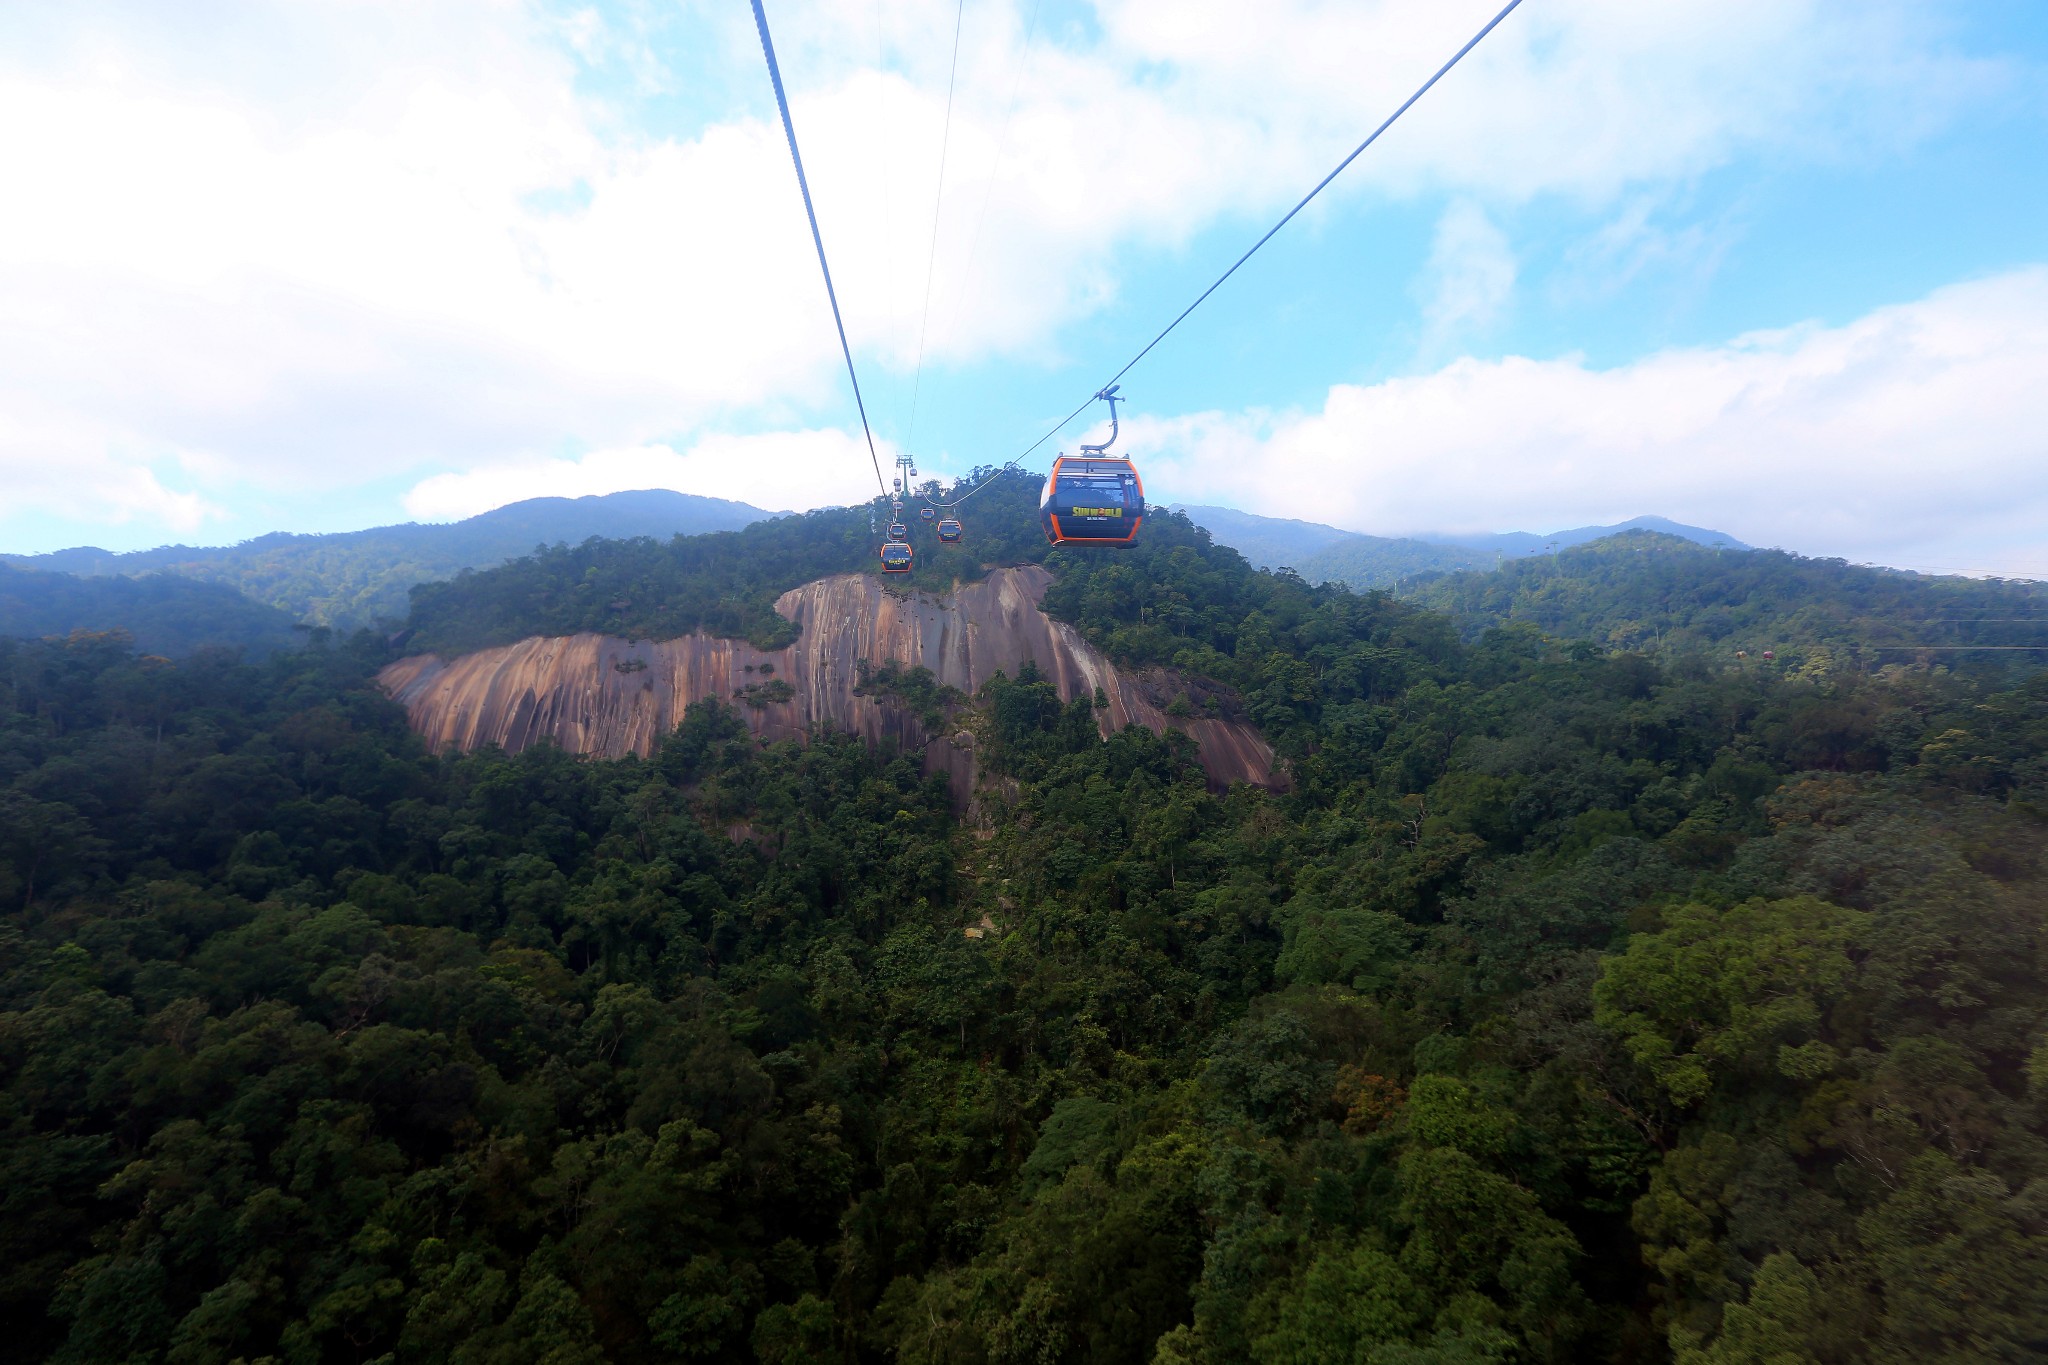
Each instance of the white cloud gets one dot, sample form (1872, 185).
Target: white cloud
(777, 471)
(78, 468)
(1471, 274)
(1916, 435)
(1582, 97)
(291, 247)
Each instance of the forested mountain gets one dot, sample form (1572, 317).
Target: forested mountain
(1577, 1004)
(1647, 591)
(163, 613)
(358, 578)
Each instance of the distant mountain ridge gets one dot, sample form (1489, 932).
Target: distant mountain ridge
(1517, 544)
(1328, 554)
(347, 579)
(1320, 552)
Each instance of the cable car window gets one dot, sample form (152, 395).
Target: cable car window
(1098, 490)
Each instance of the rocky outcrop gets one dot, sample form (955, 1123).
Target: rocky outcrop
(599, 694)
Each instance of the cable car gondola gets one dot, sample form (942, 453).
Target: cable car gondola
(925, 514)
(1093, 498)
(896, 556)
(1092, 502)
(898, 531)
(949, 531)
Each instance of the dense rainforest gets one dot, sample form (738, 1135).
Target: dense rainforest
(1579, 1002)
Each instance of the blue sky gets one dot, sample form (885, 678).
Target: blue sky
(1775, 267)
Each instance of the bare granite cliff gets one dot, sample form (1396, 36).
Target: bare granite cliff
(599, 694)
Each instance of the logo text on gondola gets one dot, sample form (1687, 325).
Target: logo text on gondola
(1098, 511)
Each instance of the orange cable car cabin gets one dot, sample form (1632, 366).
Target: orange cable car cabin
(1092, 500)
(896, 556)
(949, 531)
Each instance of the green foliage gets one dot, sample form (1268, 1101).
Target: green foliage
(1359, 948)
(760, 694)
(1351, 1299)
(1325, 554)
(1741, 991)
(917, 688)
(1571, 1006)
(1648, 591)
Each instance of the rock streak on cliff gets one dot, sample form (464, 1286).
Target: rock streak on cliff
(603, 695)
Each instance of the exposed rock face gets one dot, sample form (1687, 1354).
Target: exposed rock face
(599, 694)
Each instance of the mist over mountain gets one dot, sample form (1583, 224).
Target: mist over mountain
(357, 578)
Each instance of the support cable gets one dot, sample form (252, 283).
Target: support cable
(1456, 57)
(789, 129)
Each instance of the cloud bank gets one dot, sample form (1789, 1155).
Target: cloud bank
(1916, 435)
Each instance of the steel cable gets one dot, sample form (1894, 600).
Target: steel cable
(1441, 71)
(789, 129)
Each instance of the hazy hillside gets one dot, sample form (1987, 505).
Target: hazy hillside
(1644, 591)
(725, 583)
(166, 614)
(1325, 554)
(1268, 542)
(356, 578)
(1363, 563)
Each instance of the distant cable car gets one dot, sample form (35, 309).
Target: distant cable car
(896, 557)
(898, 531)
(949, 531)
(925, 513)
(1093, 498)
